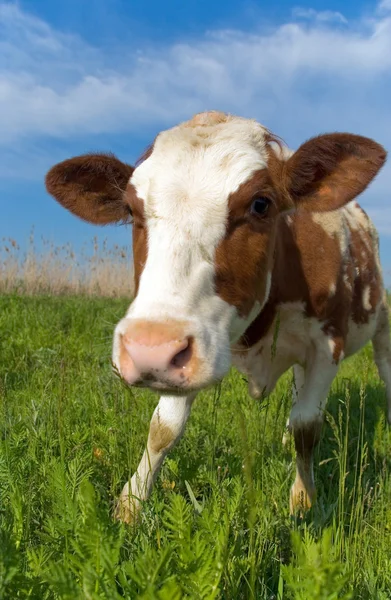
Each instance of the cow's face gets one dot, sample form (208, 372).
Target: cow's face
(205, 204)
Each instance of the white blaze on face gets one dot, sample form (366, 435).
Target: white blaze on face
(185, 185)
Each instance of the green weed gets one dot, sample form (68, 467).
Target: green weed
(217, 525)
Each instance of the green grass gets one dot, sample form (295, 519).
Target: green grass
(71, 434)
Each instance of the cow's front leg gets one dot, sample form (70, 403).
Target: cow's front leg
(166, 428)
(303, 490)
(305, 422)
(297, 385)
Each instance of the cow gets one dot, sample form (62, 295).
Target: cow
(236, 237)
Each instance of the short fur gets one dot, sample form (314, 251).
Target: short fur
(203, 257)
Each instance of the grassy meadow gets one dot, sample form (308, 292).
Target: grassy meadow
(218, 524)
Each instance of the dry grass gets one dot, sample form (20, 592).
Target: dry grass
(97, 269)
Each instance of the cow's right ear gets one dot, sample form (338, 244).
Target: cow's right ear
(92, 187)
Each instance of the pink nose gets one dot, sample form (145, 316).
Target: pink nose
(158, 352)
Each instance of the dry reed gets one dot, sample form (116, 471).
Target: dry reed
(97, 269)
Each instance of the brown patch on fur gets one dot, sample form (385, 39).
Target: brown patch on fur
(261, 324)
(306, 439)
(365, 275)
(139, 234)
(317, 259)
(91, 187)
(244, 257)
(339, 341)
(140, 253)
(338, 349)
(303, 492)
(324, 173)
(161, 435)
(304, 272)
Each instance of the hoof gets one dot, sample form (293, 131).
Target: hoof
(301, 500)
(128, 509)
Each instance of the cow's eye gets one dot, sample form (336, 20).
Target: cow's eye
(260, 206)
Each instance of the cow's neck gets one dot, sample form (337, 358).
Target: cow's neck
(286, 284)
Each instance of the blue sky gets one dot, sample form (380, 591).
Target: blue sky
(78, 76)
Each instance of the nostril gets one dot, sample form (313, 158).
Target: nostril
(181, 359)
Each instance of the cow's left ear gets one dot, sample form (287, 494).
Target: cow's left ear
(92, 187)
(330, 170)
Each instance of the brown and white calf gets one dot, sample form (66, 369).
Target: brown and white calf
(233, 233)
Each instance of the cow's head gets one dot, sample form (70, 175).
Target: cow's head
(204, 203)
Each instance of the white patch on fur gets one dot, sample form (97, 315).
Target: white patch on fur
(305, 413)
(331, 343)
(338, 224)
(185, 185)
(334, 225)
(366, 298)
(283, 152)
(332, 290)
(360, 334)
(356, 216)
(347, 282)
(329, 221)
(300, 341)
(320, 372)
(332, 346)
(259, 362)
(359, 221)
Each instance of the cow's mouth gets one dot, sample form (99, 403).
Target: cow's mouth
(167, 387)
(149, 381)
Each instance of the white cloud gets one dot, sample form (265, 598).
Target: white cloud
(57, 85)
(322, 16)
(316, 73)
(384, 6)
